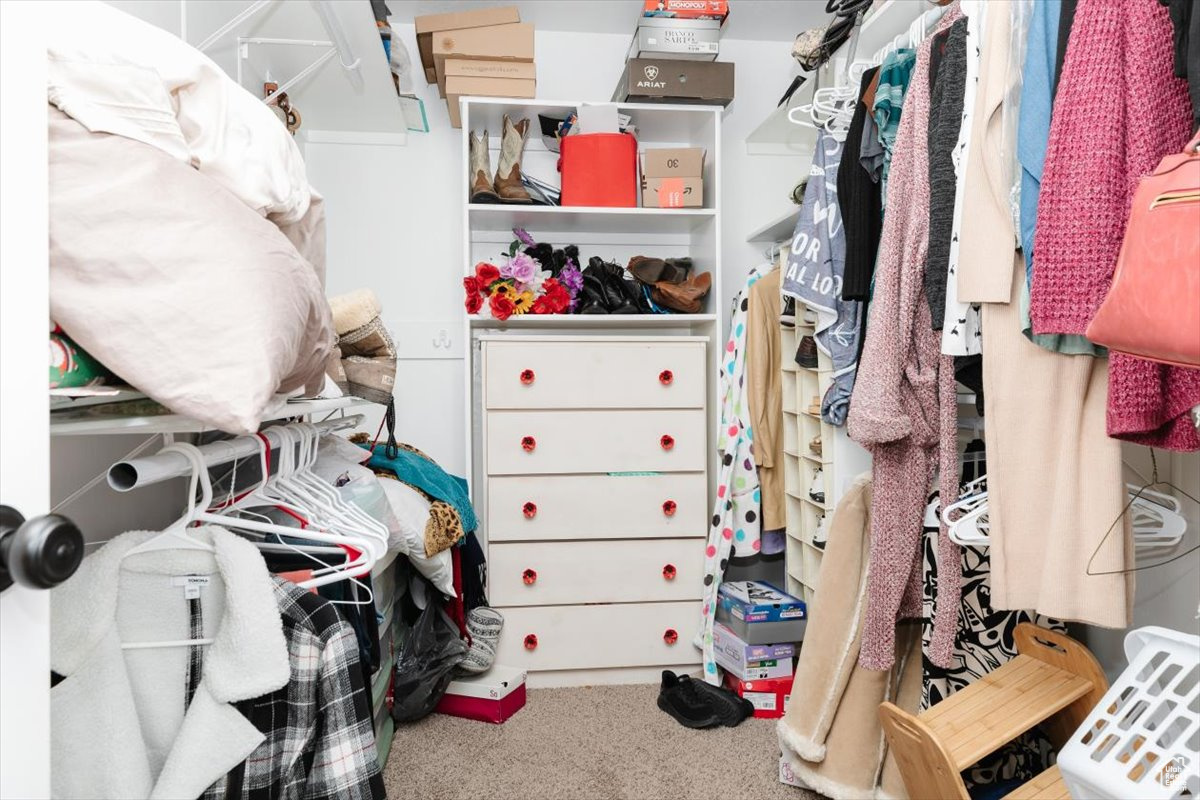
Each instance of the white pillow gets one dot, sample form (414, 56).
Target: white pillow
(411, 510)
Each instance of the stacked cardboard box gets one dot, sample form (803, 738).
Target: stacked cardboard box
(755, 640)
(672, 56)
(673, 177)
(483, 53)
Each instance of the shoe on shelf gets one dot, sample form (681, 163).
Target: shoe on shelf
(816, 490)
(821, 535)
(652, 270)
(806, 353)
(814, 407)
(730, 708)
(482, 190)
(809, 317)
(509, 187)
(684, 298)
(787, 317)
(680, 697)
(815, 445)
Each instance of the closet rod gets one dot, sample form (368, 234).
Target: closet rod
(138, 472)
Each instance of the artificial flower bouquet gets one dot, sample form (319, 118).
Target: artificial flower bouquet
(533, 279)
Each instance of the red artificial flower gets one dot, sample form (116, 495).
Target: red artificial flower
(471, 284)
(543, 305)
(502, 306)
(474, 302)
(486, 274)
(557, 294)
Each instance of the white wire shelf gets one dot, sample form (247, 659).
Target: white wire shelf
(107, 420)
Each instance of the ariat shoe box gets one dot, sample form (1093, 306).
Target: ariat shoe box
(674, 80)
(663, 37)
(760, 613)
(769, 697)
(492, 697)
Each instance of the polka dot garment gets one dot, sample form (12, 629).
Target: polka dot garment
(735, 526)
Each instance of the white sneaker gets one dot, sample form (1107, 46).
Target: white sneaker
(816, 490)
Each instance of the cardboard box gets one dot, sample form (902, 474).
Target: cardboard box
(512, 42)
(686, 9)
(741, 652)
(672, 177)
(769, 697)
(755, 670)
(461, 86)
(760, 613)
(667, 80)
(663, 37)
(493, 696)
(428, 25)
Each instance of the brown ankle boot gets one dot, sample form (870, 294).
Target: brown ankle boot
(481, 170)
(686, 297)
(508, 170)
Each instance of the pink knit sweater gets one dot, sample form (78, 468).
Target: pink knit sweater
(904, 408)
(1096, 154)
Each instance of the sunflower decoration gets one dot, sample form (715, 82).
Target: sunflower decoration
(522, 302)
(503, 289)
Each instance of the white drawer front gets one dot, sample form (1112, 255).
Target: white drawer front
(548, 442)
(657, 374)
(547, 573)
(582, 637)
(597, 507)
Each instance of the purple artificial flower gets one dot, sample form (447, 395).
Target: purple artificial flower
(572, 279)
(523, 237)
(520, 268)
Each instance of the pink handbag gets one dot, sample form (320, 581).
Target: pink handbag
(1153, 307)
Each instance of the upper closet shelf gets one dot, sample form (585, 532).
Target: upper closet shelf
(93, 422)
(778, 229)
(546, 220)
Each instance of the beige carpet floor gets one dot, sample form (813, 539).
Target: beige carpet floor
(595, 743)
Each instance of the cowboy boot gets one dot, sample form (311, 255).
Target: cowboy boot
(481, 170)
(508, 170)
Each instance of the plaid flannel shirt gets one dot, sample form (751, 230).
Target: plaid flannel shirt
(320, 741)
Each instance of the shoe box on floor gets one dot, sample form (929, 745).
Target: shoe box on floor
(493, 696)
(760, 613)
(674, 80)
(673, 177)
(429, 25)
(769, 697)
(665, 37)
(477, 78)
(751, 661)
(686, 9)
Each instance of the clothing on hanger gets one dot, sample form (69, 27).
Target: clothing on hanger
(894, 75)
(764, 395)
(859, 201)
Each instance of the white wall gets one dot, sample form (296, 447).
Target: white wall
(395, 220)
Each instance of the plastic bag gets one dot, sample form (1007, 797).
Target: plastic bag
(425, 664)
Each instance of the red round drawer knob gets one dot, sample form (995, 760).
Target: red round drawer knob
(667, 441)
(528, 444)
(527, 376)
(529, 576)
(669, 572)
(529, 510)
(670, 636)
(666, 377)
(531, 641)
(669, 508)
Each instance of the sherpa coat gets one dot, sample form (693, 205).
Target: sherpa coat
(831, 736)
(274, 709)
(904, 408)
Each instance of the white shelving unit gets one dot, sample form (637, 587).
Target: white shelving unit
(92, 421)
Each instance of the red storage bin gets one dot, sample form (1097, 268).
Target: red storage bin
(599, 169)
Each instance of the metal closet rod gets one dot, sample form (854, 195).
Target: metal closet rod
(135, 473)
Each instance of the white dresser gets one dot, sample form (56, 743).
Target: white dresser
(594, 496)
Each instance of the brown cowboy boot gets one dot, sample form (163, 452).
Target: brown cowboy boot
(481, 171)
(508, 170)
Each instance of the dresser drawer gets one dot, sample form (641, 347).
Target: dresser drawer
(589, 374)
(547, 573)
(547, 442)
(583, 637)
(552, 507)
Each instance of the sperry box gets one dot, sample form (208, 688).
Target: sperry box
(760, 613)
(471, 86)
(667, 80)
(686, 9)
(431, 24)
(512, 42)
(672, 177)
(663, 37)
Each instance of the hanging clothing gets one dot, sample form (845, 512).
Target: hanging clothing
(412, 467)
(1185, 22)
(904, 408)
(1091, 170)
(859, 203)
(962, 330)
(894, 75)
(736, 526)
(831, 735)
(764, 394)
(275, 707)
(1042, 59)
(816, 262)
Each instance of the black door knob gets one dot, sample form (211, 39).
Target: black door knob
(39, 553)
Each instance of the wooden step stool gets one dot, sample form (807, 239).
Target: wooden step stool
(1054, 679)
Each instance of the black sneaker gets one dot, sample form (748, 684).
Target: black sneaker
(730, 708)
(680, 698)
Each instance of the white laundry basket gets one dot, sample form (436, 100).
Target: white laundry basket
(1142, 741)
